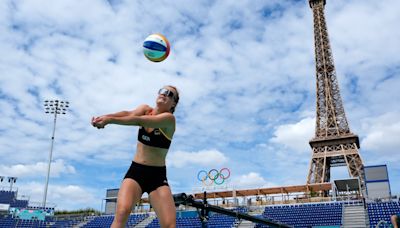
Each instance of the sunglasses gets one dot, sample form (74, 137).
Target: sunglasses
(166, 92)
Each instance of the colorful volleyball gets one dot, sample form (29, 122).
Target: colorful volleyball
(156, 47)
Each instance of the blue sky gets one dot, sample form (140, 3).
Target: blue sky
(246, 75)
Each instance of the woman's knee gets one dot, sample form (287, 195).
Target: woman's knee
(168, 223)
(122, 212)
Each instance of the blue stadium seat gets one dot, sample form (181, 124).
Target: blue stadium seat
(382, 211)
(305, 215)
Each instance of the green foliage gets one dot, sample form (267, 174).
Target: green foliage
(87, 211)
(312, 193)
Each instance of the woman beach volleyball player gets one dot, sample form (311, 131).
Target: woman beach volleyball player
(147, 172)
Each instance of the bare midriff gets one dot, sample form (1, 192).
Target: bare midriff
(149, 155)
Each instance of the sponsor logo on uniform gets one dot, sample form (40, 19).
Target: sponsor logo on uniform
(145, 138)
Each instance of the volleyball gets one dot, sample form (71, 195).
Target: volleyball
(156, 47)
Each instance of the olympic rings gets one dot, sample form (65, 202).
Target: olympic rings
(213, 176)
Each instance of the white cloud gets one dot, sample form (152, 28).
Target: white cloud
(295, 136)
(251, 180)
(181, 159)
(382, 135)
(64, 197)
(58, 167)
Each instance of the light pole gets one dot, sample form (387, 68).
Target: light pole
(1, 180)
(11, 180)
(53, 107)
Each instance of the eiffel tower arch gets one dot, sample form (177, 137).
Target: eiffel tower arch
(334, 144)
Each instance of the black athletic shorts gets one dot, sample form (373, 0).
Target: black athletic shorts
(148, 177)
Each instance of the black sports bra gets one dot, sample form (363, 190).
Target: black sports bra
(156, 138)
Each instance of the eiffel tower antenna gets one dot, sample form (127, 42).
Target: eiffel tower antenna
(334, 144)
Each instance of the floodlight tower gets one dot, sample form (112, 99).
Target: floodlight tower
(11, 180)
(55, 107)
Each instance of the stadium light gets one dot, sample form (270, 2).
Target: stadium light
(55, 107)
(12, 180)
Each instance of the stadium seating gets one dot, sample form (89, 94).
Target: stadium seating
(215, 220)
(19, 203)
(14, 222)
(48, 210)
(222, 221)
(135, 219)
(241, 209)
(62, 223)
(105, 221)
(296, 215)
(29, 223)
(180, 222)
(305, 215)
(7, 197)
(7, 222)
(382, 211)
(102, 221)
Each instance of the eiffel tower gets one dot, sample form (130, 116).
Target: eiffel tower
(334, 144)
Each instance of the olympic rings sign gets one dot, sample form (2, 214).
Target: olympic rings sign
(213, 176)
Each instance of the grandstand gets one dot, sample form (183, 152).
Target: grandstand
(296, 206)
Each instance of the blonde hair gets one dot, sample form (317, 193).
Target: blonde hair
(176, 97)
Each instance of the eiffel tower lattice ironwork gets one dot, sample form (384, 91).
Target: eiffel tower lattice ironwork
(334, 144)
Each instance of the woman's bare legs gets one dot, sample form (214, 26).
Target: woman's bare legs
(394, 221)
(129, 194)
(163, 203)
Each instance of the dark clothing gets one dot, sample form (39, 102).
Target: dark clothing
(148, 177)
(155, 138)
